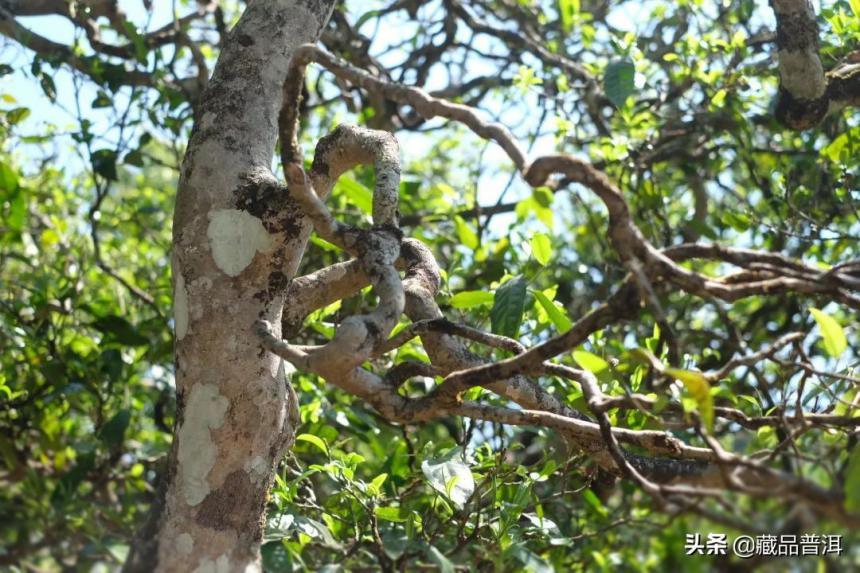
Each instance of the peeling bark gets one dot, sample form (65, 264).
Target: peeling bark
(232, 258)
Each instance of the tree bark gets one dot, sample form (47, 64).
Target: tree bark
(237, 241)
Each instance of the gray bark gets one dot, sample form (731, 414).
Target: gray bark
(237, 242)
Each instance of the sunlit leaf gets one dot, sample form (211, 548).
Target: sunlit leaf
(700, 389)
(541, 248)
(313, 440)
(471, 298)
(358, 195)
(832, 334)
(465, 233)
(591, 362)
(558, 316)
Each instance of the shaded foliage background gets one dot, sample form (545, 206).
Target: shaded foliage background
(672, 100)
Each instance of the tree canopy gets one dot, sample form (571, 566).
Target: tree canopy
(591, 285)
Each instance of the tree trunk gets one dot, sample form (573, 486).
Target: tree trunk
(237, 241)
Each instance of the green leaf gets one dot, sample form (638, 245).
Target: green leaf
(394, 543)
(120, 330)
(8, 178)
(375, 487)
(140, 48)
(591, 362)
(443, 564)
(133, 157)
(471, 298)
(47, 83)
(567, 11)
(835, 342)
(69, 483)
(102, 100)
(594, 502)
(104, 163)
(852, 481)
(17, 115)
(278, 527)
(526, 78)
(113, 432)
(276, 558)
(558, 316)
(699, 388)
(314, 440)
(450, 477)
(396, 514)
(316, 530)
(507, 313)
(541, 248)
(465, 233)
(618, 81)
(358, 194)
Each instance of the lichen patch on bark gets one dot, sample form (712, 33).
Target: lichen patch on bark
(196, 456)
(180, 307)
(220, 565)
(184, 544)
(257, 468)
(234, 238)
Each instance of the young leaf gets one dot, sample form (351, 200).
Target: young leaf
(465, 233)
(592, 500)
(541, 248)
(832, 333)
(556, 315)
(699, 388)
(567, 10)
(591, 362)
(471, 298)
(375, 487)
(358, 194)
(390, 514)
(316, 441)
(618, 81)
(507, 313)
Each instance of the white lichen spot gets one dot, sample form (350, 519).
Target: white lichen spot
(232, 344)
(184, 544)
(208, 120)
(220, 565)
(802, 74)
(180, 307)
(204, 412)
(257, 468)
(234, 238)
